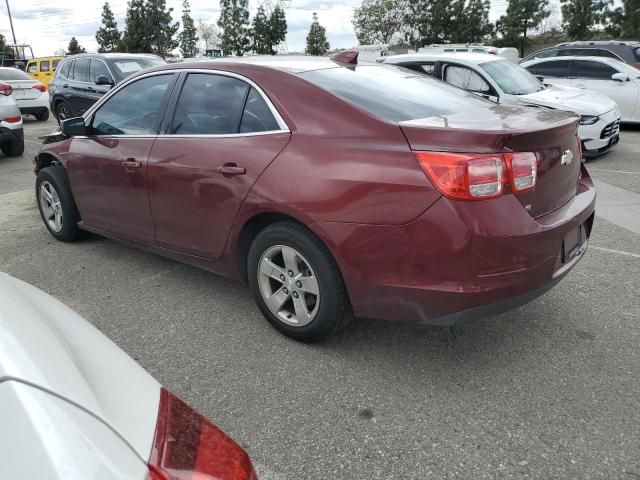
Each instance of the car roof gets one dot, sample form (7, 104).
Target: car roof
(586, 43)
(112, 56)
(468, 57)
(613, 61)
(289, 63)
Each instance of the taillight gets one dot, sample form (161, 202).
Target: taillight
(5, 89)
(12, 119)
(40, 87)
(189, 447)
(467, 176)
(523, 169)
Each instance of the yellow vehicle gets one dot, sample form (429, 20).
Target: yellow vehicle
(42, 69)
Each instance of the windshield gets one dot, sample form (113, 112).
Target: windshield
(393, 93)
(512, 78)
(8, 73)
(129, 66)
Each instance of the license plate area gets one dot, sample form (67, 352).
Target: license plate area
(572, 245)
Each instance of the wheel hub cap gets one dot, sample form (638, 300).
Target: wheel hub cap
(51, 206)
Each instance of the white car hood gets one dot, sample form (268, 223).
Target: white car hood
(582, 102)
(45, 344)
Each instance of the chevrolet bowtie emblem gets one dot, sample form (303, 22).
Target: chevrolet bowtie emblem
(566, 158)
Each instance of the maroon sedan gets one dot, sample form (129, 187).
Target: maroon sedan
(332, 189)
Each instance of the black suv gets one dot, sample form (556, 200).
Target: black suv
(628, 52)
(81, 80)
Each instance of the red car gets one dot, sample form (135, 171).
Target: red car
(332, 189)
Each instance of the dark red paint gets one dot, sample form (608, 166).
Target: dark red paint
(405, 251)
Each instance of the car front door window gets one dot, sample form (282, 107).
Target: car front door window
(134, 109)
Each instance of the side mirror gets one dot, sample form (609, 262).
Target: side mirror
(103, 80)
(74, 127)
(620, 77)
(540, 77)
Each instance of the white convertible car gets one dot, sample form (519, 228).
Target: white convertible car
(74, 406)
(501, 81)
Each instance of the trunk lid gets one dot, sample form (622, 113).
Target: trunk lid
(23, 89)
(550, 134)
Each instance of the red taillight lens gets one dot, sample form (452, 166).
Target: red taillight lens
(189, 447)
(12, 119)
(467, 176)
(40, 87)
(464, 176)
(523, 169)
(5, 89)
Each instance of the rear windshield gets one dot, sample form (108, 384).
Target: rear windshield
(129, 66)
(393, 93)
(13, 74)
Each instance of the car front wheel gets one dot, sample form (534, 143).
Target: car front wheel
(55, 202)
(63, 111)
(297, 284)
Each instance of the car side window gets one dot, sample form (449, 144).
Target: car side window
(135, 109)
(81, 70)
(44, 66)
(465, 78)
(427, 68)
(593, 70)
(209, 105)
(607, 53)
(32, 68)
(64, 70)
(257, 116)
(558, 69)
(54, 64)
(98, 67)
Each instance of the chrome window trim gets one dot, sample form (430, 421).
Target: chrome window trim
(284, 128)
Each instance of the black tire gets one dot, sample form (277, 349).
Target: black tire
(43, 116)
(15, 148)
(63, 111)
(334, 310)
(57, 179)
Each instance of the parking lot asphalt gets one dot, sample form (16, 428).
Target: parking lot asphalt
(548, 391)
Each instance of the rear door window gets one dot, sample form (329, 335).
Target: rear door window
(64, 69)
(593, 70)
(81, 70)
(210, 105)
(257, 116)
(44, 66)
(393, 93)
(32, 68)
(557, 69)
(465, 78)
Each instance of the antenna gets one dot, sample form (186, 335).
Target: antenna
(269, 6)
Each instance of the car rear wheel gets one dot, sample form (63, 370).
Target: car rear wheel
(13, 149)
(63, 111)
(55, 202)
(43, 116)
(296, 283)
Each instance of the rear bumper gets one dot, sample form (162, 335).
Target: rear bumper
(459, 260)
(33, 110)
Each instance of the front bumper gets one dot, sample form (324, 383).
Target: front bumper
(458, 260)
(600, 137)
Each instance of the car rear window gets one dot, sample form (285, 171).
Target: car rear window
(393, 93)
(9, 73)
(129, 66)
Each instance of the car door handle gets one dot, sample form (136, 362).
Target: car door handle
(91, 89)
(130, 163)
(231, 169)
(65, 85)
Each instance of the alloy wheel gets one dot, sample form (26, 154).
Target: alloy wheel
(63, 112)
(50, 206)
(288, 285)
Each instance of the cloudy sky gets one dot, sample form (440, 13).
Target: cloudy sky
(48, 28)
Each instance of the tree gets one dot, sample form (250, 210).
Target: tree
(612, 21)
(261, 33)
(278, 26)
(434, 21)
(74, 47)
(553, 22)
(188, 37)
(159, 27)
(521, 16)
(234, 22)
(630, 24)
(208, 33)
(108, 36)
(377, 21)
(580, 17)
(135, 38)
(317, 43)
(476, 26)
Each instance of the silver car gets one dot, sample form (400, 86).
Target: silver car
(11, 133)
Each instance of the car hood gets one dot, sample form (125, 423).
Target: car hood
(45, 344)
(582, 102)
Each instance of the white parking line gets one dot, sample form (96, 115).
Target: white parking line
(612, 171)
(618, 252)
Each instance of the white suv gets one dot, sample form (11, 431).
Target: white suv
(11, 134)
